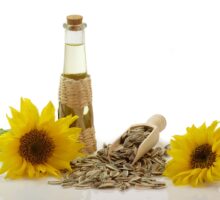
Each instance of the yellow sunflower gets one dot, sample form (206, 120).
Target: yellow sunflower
(195, 156)
(36, 144)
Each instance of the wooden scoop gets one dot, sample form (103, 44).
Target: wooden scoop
(154, 125)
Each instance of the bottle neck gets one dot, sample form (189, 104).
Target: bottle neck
(75, 55)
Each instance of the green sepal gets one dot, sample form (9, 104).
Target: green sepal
(2, 131)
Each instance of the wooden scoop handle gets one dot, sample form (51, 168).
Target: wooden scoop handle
(157, 121)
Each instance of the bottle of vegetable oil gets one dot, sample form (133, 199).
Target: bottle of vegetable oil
(75, 95)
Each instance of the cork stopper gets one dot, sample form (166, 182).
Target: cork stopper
(74, 20)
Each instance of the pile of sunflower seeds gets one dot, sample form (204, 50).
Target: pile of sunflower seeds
(116, 170)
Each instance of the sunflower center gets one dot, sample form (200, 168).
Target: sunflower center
(36, 147)
(202, 157)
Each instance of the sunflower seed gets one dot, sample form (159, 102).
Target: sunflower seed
(107, 185)
(116, 170)
(133, 179)
(112, 167)
(55, 182)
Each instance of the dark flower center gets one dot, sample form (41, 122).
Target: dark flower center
(202, 157)
(36, 147)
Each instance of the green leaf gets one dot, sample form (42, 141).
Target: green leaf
(2, 131)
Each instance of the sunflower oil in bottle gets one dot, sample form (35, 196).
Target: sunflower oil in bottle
(75, 67)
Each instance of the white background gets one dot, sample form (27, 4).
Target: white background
(145, 57)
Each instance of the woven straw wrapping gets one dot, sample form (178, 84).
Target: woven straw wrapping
(76, 94)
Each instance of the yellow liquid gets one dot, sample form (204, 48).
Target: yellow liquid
(75, 59)
(75, 68)
(76, 76)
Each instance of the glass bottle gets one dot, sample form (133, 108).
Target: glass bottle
(75, 67)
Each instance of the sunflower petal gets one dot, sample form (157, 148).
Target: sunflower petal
(63, 124)
(211, 132)
(174, 167)
(59, 164)
(48, 114)
(178, 179)
(51, 170)
(30, 170)
(201, 176)
(216, 147)
(194, 177)
(29, 111)
(209, 176)
(20, 171)
(4, 168)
